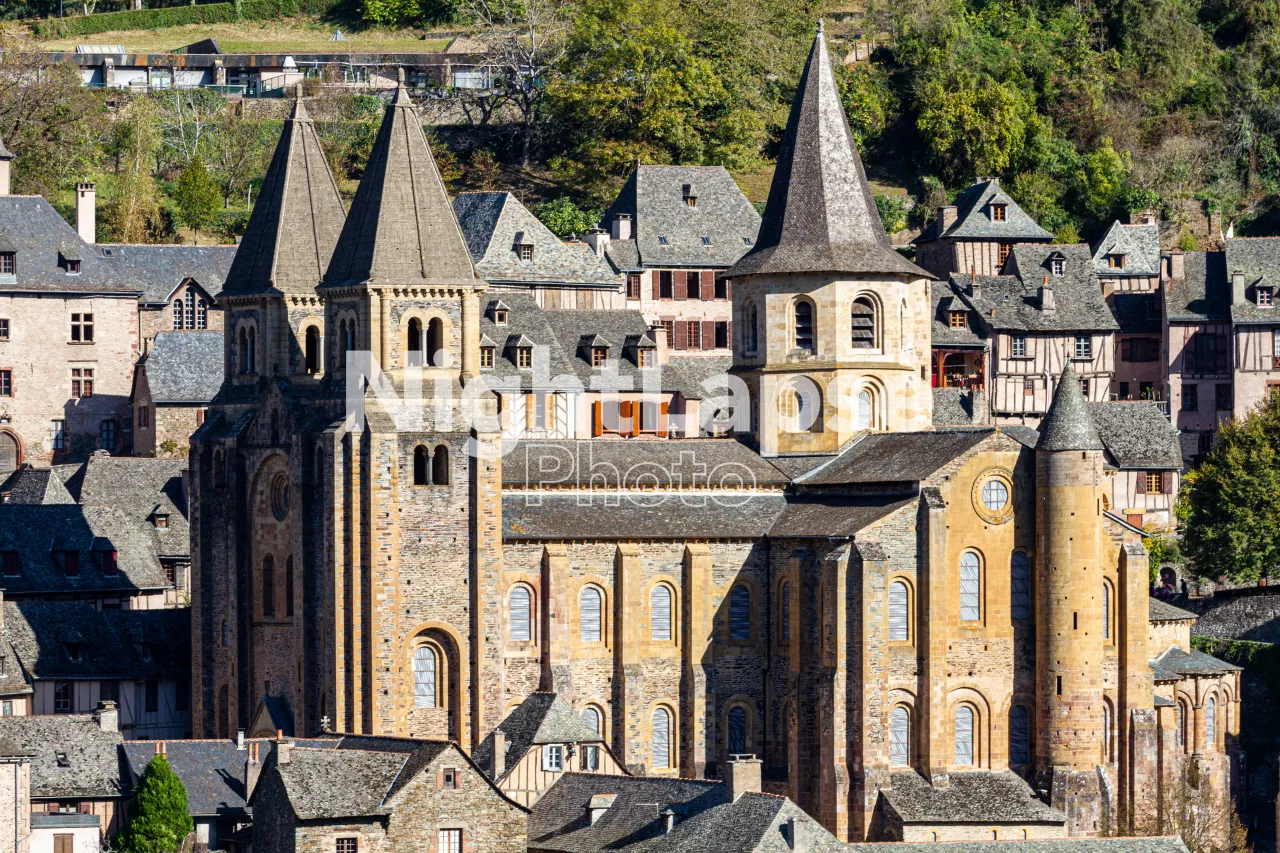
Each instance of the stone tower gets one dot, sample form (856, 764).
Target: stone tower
(1069, 608)
(833, 324)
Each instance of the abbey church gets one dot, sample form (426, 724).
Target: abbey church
(924, 632)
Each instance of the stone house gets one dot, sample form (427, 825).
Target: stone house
(542, 738)
(1128, 264)
(1143, 460)
(970, 807)
(180, 286)
(975, 235)
(672, 232)
(514, 251)
(1197, 335)
(993, 844)
(172, 387)
(350, 794)
(1254, 267)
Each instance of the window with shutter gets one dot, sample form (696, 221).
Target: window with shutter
(661, 739)
(591, 719)
(898, 627)
(964, 736)
(1019, 586)
(660, 613)
(1019, 735)
(737, 730)
(1211, 721)
(970, 587)
(589, 605)
(900, 737)
(740, 613)
(520, 608)
(424, 677)
(785, 606)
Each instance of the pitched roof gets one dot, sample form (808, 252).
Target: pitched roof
(141, 488)
(1162, 611)
(328, 783)
(1068, 424)
(974, 218)
(213, 771)
(1012, 301)
(5, 153)
(895, 457)
(959, 407)
(295, 224)
(668, 232)
(1172, 844)
(491, 222)
(821, 216)
(1140, 245)
(39, 237)
(90, 768)
(31, 485)
(1259, 259)
(1136, 313)
(108, 644)
(1194, 662)
(185, 367)
(540, 719)
(819, 518)
(949, 296)
(160, 270)
(401, 228)
(1203, 293)
(606, 516)
(754, 822)
(972, 797)
(1137, 434)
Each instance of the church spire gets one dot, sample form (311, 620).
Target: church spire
(291, 233)
(821, 216)
(401, 228)
(1068, 425)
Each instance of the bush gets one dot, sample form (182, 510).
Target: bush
(563, 217)
(154, 19)
(893, 212)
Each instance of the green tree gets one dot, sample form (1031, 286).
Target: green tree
(973, 124)
(1230, 515)
(409, 13)
(132, 211)
(893, 212)
(158, 818)
(563, 217)
(197, 195)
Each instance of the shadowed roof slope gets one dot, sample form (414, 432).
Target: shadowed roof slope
(31, 485)
(211, 770)
(976, 797)
(401, 228)
(541, 718)
(1068, 425)
(821, 216)
(295, 224)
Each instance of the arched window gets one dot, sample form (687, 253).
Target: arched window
(970, 587)
(1211, 721)
(414, 347)
(421, 463)
(752, 321)
(737, 737)
(288, 586)
(591, 719)
(900, 737)
(424, 677)
(661, 738)
(520, 614)
(740, 613)
(866, 405)
(435, 342)
(253, 351)
(660, 613)
(268, 586)
(311, 350)
(349, 336)
(785, 606)
(964, 736)
(202, 314)
(440, 466)
(804, 326)
(1019, 586)
(177, 314)
(190, 300)
(1182, 716)
(863, 321)
(899, 628)
(589, 607)
(1019, 735)
(1106, 610)
(1108, 731)
(243, 354)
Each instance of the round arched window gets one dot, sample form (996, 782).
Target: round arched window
(995, 495)
(280, 496)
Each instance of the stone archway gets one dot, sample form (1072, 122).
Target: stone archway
(10, 453)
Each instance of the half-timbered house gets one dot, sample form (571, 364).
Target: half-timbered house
(976, 234)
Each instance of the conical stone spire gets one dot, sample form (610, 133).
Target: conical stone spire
(1068, 424)
(821, 215)
(295, 224)
(401, 228)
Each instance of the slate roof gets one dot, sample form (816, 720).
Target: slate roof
(31, 485)
(1259, 259)
(401, 228)
(1068, 425)
(111, 644)
(1203, 294)
(33, 230)
(821, 216)
(1012, 301)
(5, 153)
(1136, 313)
(1140, 245)
(541, 718)
(1163, 611)
(947, 297)
(655, 199)
(93, 765)
(805, 518)
(184, 367)
(1171, 844)
(755, 822)
(894, 457)
(295, 224)
(327, 783)
(607, 464)
(973, 218)
(213, 771)
(972, 797)
(1194, 662)
(160, 270)
(490, 223)
(958, 407)
(141, 488)
(1137, 435)
(606, 516)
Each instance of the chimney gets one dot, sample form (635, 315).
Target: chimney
(108, 716)
(86, 212)
(598, 805)
(796, 836)
(1177, 264)
(239, 738)
(499, 753)
(947, 217)
(6, 157)
(284, 750)
(1144, 217)
(252, 769)
(1047, 303)
(743, 776)
(621, 226)
(598, 240)
(669, 820)
(659, 334)
(975, 289)
(1237, 287)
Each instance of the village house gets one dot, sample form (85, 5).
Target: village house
(175, 381)
(1253, 263)
(1197, 334)
(180, 286)
(975, 235)
(15, 798)
(672, 232)
(1128, 264)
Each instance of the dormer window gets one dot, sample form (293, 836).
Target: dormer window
(72, 266)
(1266, 296)
(108, 562)
(747, 241)
(1058, 266)
(73, 651)
(644, 357)
(500, 316)
(486, 358)
(599, 355)
(10, 563)
(1115, 261)
(161, 521)
(706, 241)
(526, 252)
(524, 248)
(690, 195)
(68, 561)
(7, 263)
(999, 212)
(958, 319)
(524, 357)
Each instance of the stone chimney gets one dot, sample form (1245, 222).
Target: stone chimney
(1047, 303)
(659, 334)
(1177, 264)
(1144, 217)
(1237, 286)
(975, 289)
(796, 839)
(284, 752)
(947, 217)
(86, 211)
(252, 769)
(107, 716)
(239, 738)
(668, 820)
(6, 157)
(621, 226)
(598, 240)
(743, 776)
(499, 753)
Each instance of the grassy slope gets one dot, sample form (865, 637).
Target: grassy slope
(293, 36)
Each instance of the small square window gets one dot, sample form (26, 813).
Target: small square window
(1153, 482)
(7, 263)
(486, 358)
(662, 241)
(1058, 266)
(1083, 347)
(599, 355)
(524, 357)
(645, 357)
(500, 316)
(449, 779)
(553, 758)
(706, 241)
(526, 252)
(73, 267)
(999, 212)
(1115, 262)
(82, 328)
(958, 319)
(1264, 297)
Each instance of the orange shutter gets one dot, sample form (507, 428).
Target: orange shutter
(597, 428)
(662, 418)
(530, 410)
(551, 411)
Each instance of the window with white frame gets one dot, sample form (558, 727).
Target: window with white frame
(970, 587)
(1083, 347)
(899, 626)
(448, 841)
(553, 757)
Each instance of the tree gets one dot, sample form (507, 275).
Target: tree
(409, 13)
(973, 124)
(240, 151)
(1229, 512)
(563, 217)
(197, 195)
(158, 820)
(132, 212)
(186, 116)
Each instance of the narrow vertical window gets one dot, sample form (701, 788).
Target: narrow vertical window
(440, 466)
(520, 607)
(863, 324)
(288, 586)
(312, 347)
(1019, 735)
(661, 739)
(1211, 722)
(804, 326)
(752, 322)
(1106, 611)
(898, 627)
(424, 677)
(737, 730)
(863, 415)
(660, 613)
(1020, 586)
(421, 464)
(740, 613)
(589, 606)
(970, 587)
(591, 719)
(268, 586)
(900, 737)
(964, 736)
(414, 347)
(785, 606)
